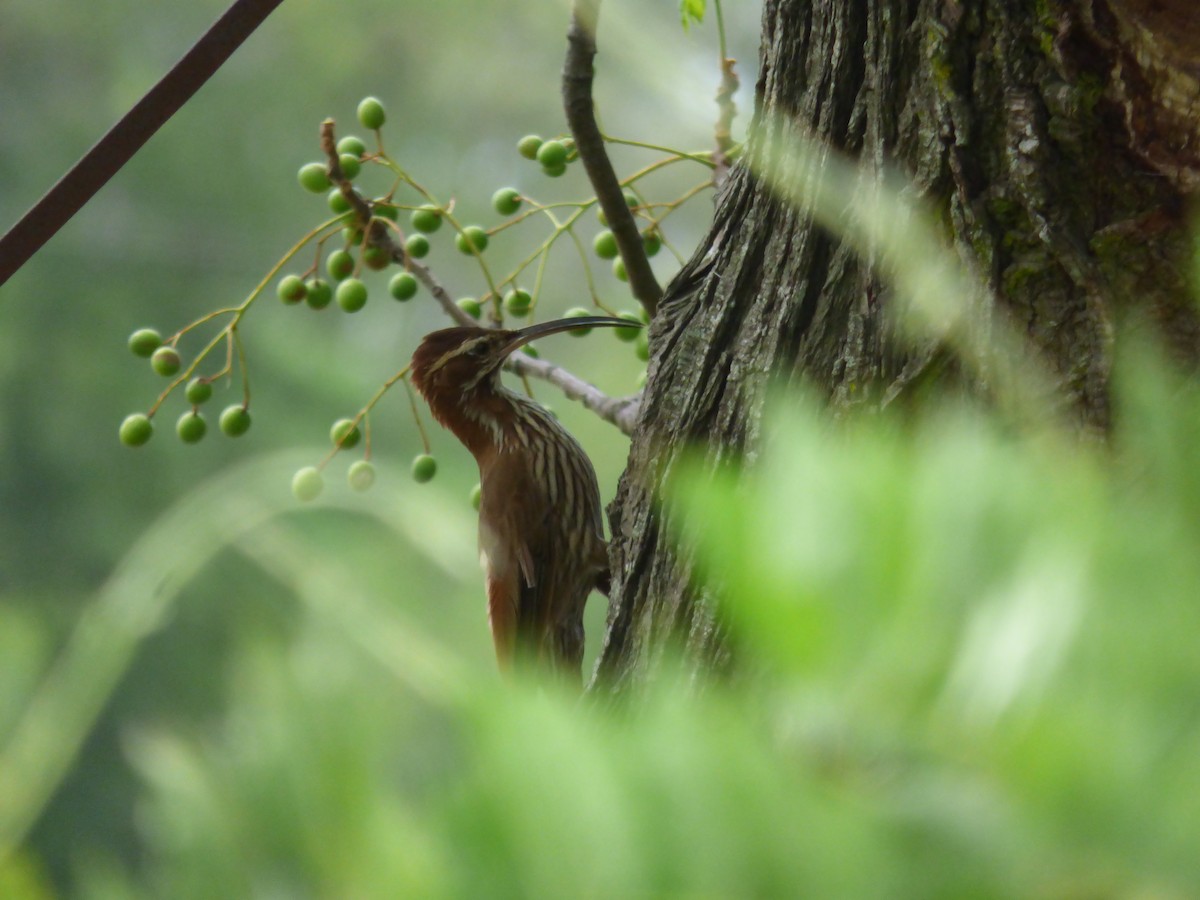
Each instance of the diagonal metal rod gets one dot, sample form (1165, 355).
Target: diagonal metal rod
(126, 137)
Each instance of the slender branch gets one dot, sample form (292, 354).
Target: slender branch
(578, 75)
(726, 111)
(619, 411)
(125, 138)
(439, 292)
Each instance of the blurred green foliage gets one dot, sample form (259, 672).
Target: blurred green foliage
(967, 667)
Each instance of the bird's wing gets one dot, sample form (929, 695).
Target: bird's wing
(514, 549)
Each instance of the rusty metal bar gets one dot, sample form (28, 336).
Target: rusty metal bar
(128, 135)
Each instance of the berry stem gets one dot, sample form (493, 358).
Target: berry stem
(673, 155)
(236, 313)
(542, 251)
(412, 402)
(362, 417)
(538, 278)
(589, 279)
(236, 339)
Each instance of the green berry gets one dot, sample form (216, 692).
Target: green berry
(427, 218)
(631, 199)
(631, 333)
(424, 467)
(476, 496)
(136, 430)
(352, 145)
(291, 289)
(351, 295)
(144, 342)
(350, 165)
(551, 154)
(371, 114)
(198, 391)
(313, 177)
(471, 307)
(472, 236)
(575, 313)
(403, 286)
(417, 246)
(353, 235)
(360, 475)
(605, 245)
(385, 209)
(601, 217)
(554, 171)
(339, 265)
(529, 145)
(531, 351)
(191, 427)
(642, 346)
(344, 434)
(234, 421)
(337, 201)
(376, 258)
(319, 293)
(506, 201)
(166, 361)
(517, 302)
(619, 269)
(651, 242)
(307, 484)
(572, 151)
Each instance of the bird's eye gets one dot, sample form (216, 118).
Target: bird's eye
(477, 350)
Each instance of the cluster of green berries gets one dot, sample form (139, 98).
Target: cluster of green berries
(349, 291)
(340, 283)
(346, 289)
(137, 428)
(604, 245)
(552, 155)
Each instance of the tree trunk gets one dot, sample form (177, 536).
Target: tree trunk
(1057, 140)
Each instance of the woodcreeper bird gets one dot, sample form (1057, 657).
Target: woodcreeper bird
(541, 536)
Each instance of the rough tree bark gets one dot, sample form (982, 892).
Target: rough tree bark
(1058, 140)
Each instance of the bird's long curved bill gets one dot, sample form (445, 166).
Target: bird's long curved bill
(541, 329)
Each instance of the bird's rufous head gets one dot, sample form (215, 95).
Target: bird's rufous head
(460, 359)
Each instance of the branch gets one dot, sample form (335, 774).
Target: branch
(619, 411)
(578, 74)
(727, 109)
(124, 139)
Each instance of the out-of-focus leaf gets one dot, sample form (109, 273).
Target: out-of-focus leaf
(691, 10)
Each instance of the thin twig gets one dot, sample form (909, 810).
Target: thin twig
(619, 411)
(726, 111)
(577, 78)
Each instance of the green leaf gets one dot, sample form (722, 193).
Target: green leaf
(690, 10)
